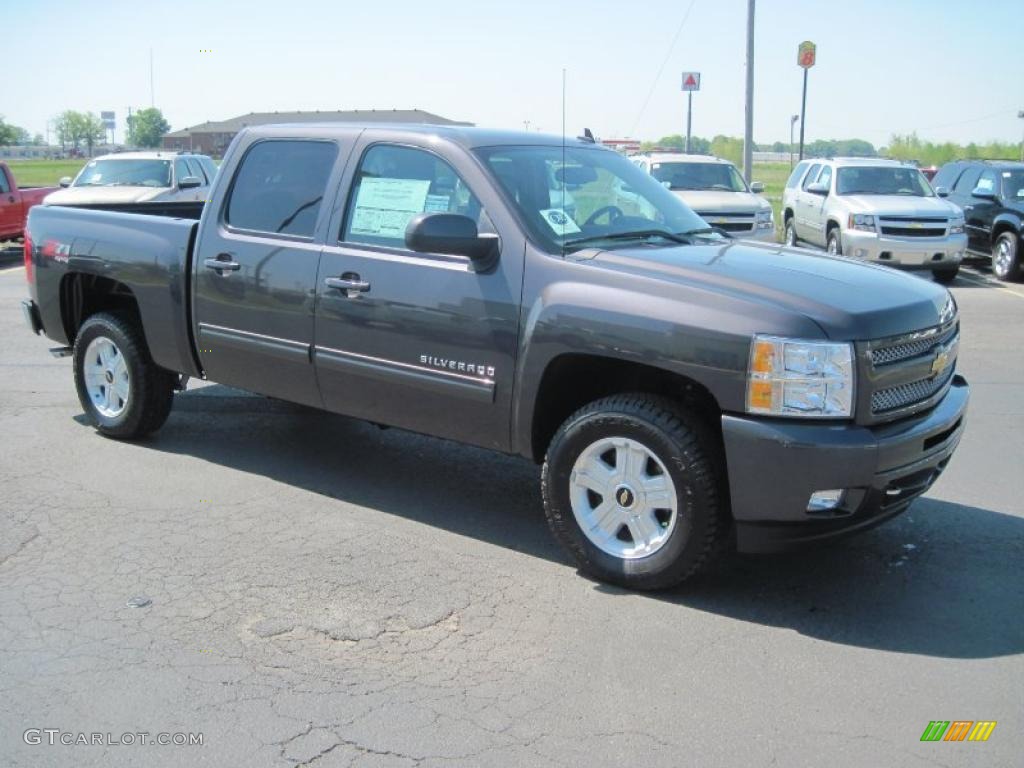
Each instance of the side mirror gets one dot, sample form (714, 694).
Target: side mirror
(65, 181)
(942, 191)
(667, 184)
(757, 187)
(984, 194)
(452, 234)
(190, 182)
(817, 188)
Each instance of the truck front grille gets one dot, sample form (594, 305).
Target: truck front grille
(882, 356)
(908, 394)
(913, 226)
(730, 222)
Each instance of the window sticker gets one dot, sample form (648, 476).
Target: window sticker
(437, 204)
(385, 206)
(559, 221)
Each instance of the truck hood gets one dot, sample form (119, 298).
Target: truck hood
(88, 195)
(848, 299)
(900, 205)
(704, 200)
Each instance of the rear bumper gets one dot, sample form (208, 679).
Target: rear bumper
(30, 311)
(905, 252)
(775, 466)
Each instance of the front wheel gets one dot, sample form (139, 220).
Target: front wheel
(791, 240)
(1006, 256)
(946, 276)
(631, 490)
(124, 394)
(835, 242)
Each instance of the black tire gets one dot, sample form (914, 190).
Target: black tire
(1006, 263)
(834, 242)
(689, 453)
(789, 237)
(946, 276)
(151, 388)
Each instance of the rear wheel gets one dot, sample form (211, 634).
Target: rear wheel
(124, 393)
(1006, 256)
(947, 275)
(631, 490)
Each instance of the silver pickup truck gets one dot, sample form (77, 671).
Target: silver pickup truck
(876, 210)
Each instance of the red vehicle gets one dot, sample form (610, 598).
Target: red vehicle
(15, 202)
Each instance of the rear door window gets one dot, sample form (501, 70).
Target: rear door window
(279, 187)
(794, 178)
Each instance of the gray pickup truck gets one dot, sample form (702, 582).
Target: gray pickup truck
(682, 390)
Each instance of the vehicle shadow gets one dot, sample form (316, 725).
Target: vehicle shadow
(941, 580)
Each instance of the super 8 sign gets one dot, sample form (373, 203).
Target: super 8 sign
(806, 54)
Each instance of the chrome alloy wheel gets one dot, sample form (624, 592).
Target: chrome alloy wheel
(1002, 258)
(106, 377)
(623, 498)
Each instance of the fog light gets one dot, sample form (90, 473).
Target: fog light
(824, 500)
(861, 253)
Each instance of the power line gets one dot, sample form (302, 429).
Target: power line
(661, 69)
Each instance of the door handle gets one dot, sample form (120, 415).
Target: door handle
(222, 263)
(349, 282)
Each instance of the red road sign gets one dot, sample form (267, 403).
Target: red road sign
(806, 54)
(691, 81)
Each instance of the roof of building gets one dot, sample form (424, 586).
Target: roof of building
(235, 124)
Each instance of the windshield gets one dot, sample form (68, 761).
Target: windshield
(596, 195)
(125, 173)
(882, 181)
(718, 176)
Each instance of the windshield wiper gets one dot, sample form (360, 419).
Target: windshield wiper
(639, 234)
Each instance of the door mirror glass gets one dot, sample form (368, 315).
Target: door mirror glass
(65, 181)
(449, 233)
(190, 182)
(757, 187)
(817, 188)
(942, 191)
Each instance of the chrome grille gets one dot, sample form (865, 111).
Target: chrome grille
(729, 221)
(907, 394)
(906, 350)
(913, 226)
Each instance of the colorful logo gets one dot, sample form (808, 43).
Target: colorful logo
(958, 730)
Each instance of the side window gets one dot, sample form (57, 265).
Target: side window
(180, 170)
(968, 181)
(394, 184)
(4, 187)
(811, 175)
(988, 182)
(279, 186)
(826, 176)
(796, 175)
(195, 168)
(946, 176)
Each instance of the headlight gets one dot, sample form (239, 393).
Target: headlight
(764, 220)
(791, 377)
(956, 227)
(862, 221)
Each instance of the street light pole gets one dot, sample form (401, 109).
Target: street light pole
(748, 132)
(792, 122)
(1021, 116)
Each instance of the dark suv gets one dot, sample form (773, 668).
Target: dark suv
(991, 193)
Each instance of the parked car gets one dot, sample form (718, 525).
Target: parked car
(137, 177)
(15, 203)
(881, 211)
(678, 386)
(991, 194)
(714, 189)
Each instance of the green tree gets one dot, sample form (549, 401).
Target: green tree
(8, 133)
(146, 127)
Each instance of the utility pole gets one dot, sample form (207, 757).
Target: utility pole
(748, 131)
(792, 122)
(152, 97)
(689, 119)
(1021, 116)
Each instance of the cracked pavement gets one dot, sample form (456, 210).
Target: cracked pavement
(326, 593)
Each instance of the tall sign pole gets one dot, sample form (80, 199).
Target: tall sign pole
(806, 55)
(691, 83)
(748, 127)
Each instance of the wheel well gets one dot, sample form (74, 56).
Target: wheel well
(787, 215)
(832, 224)
(83, 295)
(572, 381)
(1003, 226)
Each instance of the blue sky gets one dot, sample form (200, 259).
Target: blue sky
(937, 67)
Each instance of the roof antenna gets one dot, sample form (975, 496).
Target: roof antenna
(587, 136)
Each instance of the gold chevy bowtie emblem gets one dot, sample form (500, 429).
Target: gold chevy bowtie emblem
(916, 225)
(943, 357)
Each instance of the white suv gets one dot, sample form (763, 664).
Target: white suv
(138, 177)
(876, 210)
(715, 190)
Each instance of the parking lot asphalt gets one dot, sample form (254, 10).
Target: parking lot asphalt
(326, 593)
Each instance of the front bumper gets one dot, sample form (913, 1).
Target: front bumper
(761, 235)
(905, 252)
(775, 465)
(30, 311)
